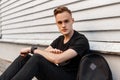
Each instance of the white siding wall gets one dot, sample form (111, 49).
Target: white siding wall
(0, 24)
(32, 21)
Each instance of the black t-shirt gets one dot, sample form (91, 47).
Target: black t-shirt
(79, 43)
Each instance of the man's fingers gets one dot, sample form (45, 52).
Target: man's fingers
(56, 51)
(23, 55)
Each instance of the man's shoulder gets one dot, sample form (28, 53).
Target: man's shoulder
(79, 35)
(59, 38)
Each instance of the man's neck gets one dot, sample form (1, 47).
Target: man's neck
(68, 37)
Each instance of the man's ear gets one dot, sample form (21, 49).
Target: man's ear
(73, 19)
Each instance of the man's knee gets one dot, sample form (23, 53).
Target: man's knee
(38, 57)
(40, 60)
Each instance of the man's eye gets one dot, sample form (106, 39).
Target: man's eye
(66, 21)
(59, 22)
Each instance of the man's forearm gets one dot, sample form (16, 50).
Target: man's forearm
(57, 58)
(48, 55)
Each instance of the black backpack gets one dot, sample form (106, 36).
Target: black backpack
(94, 67)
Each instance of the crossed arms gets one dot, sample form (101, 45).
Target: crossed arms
(55, 56)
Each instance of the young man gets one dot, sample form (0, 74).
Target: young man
(57, 62)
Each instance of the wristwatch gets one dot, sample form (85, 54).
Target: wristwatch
(33, 48)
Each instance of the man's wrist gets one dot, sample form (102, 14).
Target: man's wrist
(33, 48)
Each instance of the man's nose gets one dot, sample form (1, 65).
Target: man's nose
(63, 24)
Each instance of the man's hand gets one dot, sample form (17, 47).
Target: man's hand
(25, 51)
(55, 51)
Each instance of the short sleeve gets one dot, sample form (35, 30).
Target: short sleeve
(54, 44)
(81, 46)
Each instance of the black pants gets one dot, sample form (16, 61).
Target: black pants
(25, 68)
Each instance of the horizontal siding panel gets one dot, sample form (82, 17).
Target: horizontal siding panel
(32, 36)
(90, 14)
(19, 3)
(103, 36)
(25, 25)
(27, 8)
(36, 42)
(2, 2)
(45, 6)
(48, 20)
(97, 46)
(94, 14)
(29, 17)
(11, 2)
(102, 12)
(91, 4)
(22, 7)
(92, 36)
(47, 28)
(106, 24)
(0, 32)
(101, 24)
(88, 4)
(105, 46)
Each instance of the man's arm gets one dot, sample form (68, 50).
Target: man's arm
(53, 50)
(56, 58)
(25, 51)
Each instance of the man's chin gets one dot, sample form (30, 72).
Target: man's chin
(65, 33)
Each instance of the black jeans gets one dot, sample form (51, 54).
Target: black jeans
(25, 68)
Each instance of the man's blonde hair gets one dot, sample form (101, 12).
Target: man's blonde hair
(61, 9)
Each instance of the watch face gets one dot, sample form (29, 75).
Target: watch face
(33, 48)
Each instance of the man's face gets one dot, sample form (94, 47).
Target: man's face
(64, 22)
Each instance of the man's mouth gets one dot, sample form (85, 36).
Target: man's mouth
(64, 30)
